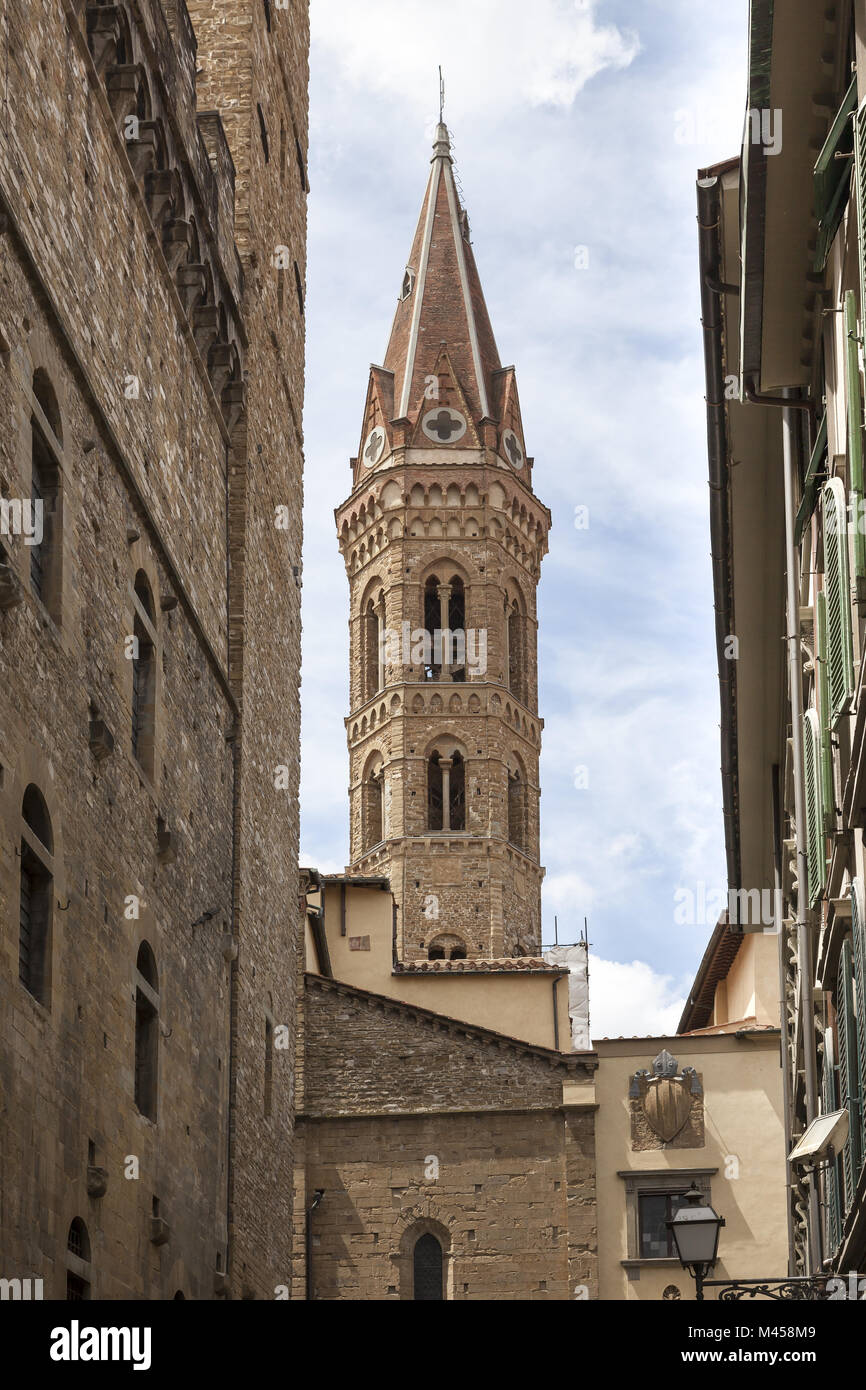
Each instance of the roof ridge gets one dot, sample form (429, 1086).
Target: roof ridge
(569, 1060)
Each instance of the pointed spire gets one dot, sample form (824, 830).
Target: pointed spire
(442, 301)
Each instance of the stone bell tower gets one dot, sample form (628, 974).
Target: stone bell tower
(443, 537)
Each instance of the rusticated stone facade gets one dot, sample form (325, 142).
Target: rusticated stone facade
(443, 533)
(152, 233)
(482, 1141)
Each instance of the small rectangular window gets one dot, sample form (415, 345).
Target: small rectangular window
(655, 1209)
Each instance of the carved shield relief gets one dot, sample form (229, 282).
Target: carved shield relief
(667, 1105)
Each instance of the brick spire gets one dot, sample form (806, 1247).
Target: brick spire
(442, 302)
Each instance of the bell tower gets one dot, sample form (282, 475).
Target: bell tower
(443, 537)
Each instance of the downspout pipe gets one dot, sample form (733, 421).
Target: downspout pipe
(308, 1251)
(709, 206)
(795, 682)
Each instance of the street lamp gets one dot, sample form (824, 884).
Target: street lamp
(695, 1230)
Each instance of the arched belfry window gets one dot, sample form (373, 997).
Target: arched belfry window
(428, 1270)
(517, 807)
(447, 946)
(372, 663)
(46, 442)
(445, 626)
(432, 625)
(373, 806)
(36, 883)
(146, 1032)
(457, 628)
(434, 792)
(144, 674)
(446, 792)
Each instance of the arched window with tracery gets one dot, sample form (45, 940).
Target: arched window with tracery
(36, 882)
(447, 946)
(46, 496)
(146, 1032)
(446, 792)
(143, 674)
(373, 806)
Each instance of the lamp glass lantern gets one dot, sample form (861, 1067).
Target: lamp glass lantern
(695, 1230)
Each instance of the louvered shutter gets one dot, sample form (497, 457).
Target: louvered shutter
(832, 1173)
(858, 937)
(860, 189)
(815, 860)
(840, 655)
(855, 429)
(828, 794)
(832, 175)
(846, 1034)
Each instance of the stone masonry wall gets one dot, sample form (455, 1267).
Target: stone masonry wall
(412, 1123)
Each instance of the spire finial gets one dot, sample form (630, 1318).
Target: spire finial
(441, 97)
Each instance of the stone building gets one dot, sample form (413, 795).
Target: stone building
(152, 234)
(783, 285)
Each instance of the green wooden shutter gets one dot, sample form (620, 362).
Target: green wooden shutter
(840, 653)
(858, 936)
(832, 175)
(816, 469)
(860, 187)
(832, 1173)
(855, 429)
(828, 793)
(815, 859)
(849, 1097)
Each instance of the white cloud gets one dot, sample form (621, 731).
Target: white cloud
(496, 54)
(609, 364)
(632, 1000)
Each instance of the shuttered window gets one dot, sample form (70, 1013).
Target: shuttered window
(840, 656)
(814, 806)
(832, 175)
(833, 1170)
(858, 937)
(828, 794)
(860, 186)
(855, 429)
(849, 1087)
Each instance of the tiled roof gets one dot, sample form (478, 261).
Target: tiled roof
(481, 966)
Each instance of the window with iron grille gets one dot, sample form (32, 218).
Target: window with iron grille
(427, 1269)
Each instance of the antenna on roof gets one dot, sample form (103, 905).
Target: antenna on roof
(441, 97)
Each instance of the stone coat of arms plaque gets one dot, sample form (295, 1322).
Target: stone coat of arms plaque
(666, 1105)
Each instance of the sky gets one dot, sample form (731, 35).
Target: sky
(577, 127)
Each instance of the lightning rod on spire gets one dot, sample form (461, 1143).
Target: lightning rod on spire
(441, 97)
